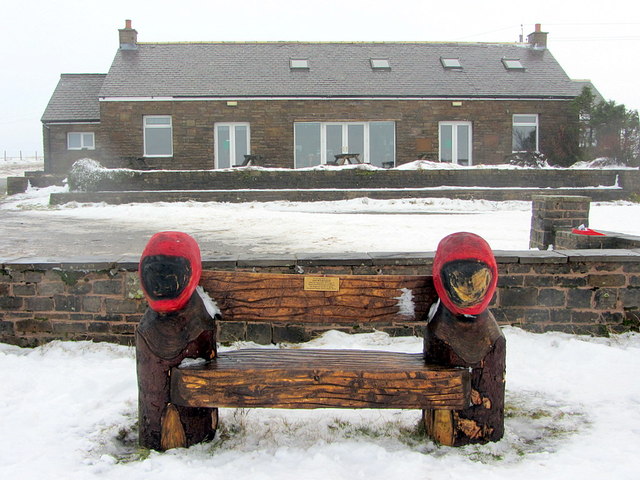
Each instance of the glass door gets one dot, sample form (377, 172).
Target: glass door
(232, 143)
(455, 142)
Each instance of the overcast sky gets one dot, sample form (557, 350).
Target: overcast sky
(40, 39)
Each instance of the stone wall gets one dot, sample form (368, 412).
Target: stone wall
(567, 240)
(551, 213)
(272, 126)
(57, 158)
(358, 178)
(588, 291)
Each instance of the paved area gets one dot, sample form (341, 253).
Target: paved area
(48, 236)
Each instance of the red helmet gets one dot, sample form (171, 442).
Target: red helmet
(465, 273)
(170, 269)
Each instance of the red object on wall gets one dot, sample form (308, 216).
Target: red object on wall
(170, 270)
(465, 273)
(586, 231)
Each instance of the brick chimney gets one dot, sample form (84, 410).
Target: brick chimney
(538, 38)
(128, 37)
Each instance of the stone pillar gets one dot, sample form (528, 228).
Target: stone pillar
(551, 213)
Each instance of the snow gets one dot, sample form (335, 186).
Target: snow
(358, 225)
(573, 411)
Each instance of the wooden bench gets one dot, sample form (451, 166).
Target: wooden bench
(179, 401)
(283, 378)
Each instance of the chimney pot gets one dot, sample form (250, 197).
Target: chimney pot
(127, 24)
(538, 26)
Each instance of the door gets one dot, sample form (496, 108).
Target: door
(344, 138)
(232, 143)
(455, 142)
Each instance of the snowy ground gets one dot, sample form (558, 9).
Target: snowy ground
(360, 225)
(33, 228)
(68, 411)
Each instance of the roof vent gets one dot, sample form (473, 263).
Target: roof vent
(512, 64)
(299, 64)
(380, 64)
(451, 63)
(128, 37)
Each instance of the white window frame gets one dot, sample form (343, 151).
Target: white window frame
(232, 140)
(146, 126)
(535, 124)
(365, 156)
(454, 140)
(82, 142)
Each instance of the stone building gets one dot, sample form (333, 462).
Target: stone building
(298, 104)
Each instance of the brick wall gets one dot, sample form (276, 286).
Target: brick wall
(272, 121)
(588, 291)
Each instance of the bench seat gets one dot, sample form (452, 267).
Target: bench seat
(306, 379)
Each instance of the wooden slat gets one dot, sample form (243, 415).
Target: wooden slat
(320, 379)
(244, 296)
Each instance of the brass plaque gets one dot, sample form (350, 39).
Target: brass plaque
(322, 284)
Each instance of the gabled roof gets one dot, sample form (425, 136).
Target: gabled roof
(580, 84)
(334, 70)
(75, 98)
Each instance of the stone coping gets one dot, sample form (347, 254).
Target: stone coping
(293, 260)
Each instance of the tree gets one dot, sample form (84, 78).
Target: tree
(607, 129)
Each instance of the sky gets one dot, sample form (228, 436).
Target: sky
(40, 39)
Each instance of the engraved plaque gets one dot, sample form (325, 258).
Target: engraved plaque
(322, 284)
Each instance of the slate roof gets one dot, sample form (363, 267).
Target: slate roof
(75, 98)
(335, 70)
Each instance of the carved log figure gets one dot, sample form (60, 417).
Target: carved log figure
(177, 325)
(462, 332)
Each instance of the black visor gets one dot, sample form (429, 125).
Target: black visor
(466, 281)
(164, 276)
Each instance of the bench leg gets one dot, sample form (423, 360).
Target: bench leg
(447, 341)
(163, 425)
(439, 426)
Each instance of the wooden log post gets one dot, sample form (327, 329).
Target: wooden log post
(461, 332)
(179, 324)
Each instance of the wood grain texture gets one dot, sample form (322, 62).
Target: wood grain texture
(482, 420)
(244, 296)
(320, 379)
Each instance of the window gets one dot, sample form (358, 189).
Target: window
(232, 143)
(455, 144)
(452, 63)
(158, 136)
(525, 133)
(512, 64)
(299, 64)
(317, 143)
(80, 141)
(380, 64)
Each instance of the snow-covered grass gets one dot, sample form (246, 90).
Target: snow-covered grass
(68, 411)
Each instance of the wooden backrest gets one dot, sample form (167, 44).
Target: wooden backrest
(344, 299)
